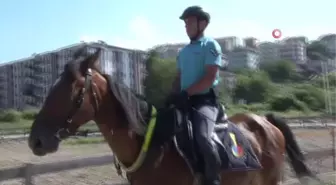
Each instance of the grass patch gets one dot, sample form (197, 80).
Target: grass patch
(23, 127)
(286, 114)
(84, 141)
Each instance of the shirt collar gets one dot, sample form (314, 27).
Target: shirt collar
(201, 39)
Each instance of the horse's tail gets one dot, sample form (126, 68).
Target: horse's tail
(293, 150)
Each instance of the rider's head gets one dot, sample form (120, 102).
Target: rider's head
(196, 20)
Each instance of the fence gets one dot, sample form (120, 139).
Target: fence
(294, 122)
(316, 158)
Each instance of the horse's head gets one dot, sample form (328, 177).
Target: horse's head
(73, 100)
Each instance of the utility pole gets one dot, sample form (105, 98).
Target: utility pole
(326, 88)
(326, 66)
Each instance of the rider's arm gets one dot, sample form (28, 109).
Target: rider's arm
(213, 61)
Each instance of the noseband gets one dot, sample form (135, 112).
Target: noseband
(64, 132)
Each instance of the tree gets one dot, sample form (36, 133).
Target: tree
(287, 102)
(311, 96)
(253, 88)
(280, 71)
(161, 74)
(319, 51)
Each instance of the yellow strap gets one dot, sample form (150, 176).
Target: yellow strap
(233, 137)
(145, 145)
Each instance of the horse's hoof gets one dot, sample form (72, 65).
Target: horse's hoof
(119, 172)
(128, 177)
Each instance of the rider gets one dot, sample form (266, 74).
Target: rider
(198, 67)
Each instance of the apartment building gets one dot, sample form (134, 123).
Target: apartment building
(25, 83)
(269, 51)
(302, 39)
(243, 58)
(169, 51)
(293, 50)
(250, 42)
(228, 44)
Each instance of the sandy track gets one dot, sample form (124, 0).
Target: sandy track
(16, 153)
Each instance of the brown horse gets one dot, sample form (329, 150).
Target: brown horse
(83, 93)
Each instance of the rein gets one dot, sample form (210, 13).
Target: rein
(145, 145)
(65, 131)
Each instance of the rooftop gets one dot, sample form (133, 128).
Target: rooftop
(100, 44)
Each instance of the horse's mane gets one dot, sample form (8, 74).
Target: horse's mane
(134, 106)
(136, 109)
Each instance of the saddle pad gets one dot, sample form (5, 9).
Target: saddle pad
(235, 150)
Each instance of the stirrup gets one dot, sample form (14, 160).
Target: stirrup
(198, 179)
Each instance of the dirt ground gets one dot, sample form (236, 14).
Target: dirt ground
(16, 153)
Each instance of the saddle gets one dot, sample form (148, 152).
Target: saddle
(234, 149)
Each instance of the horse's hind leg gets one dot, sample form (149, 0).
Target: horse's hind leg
(272, 176)
(240, 178)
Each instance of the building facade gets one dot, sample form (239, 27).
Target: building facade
(250, 42)
(25, 83)
(302, 39)
(293, 50)
(269, 52)
(169, 51)
(243, 58)
(228, 44)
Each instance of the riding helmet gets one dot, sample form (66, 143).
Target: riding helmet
(196, 11)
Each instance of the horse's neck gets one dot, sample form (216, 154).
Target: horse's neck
(122, 143)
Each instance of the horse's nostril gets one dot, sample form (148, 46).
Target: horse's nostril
(38, 144)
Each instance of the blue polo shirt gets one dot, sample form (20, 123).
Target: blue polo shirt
(193, 59)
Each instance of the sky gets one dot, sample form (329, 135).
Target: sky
(35, 26)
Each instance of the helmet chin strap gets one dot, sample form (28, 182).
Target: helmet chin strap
(198, 33)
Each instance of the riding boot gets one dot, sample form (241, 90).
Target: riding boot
(212, 167)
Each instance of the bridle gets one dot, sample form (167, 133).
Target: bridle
(64, 131)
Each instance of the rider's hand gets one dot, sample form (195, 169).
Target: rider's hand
(179, 99)
(169, 100)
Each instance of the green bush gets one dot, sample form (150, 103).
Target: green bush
(279, 71)
(256, 107)
(10, 116)
(286, 103)
(29, 114)
(311, 96)
(254, 88)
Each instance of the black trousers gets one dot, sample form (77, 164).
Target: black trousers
(203, 115)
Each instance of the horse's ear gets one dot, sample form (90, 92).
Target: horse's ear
(81, 51)
(93, 60)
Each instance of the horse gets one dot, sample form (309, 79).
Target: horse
(83, 93)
